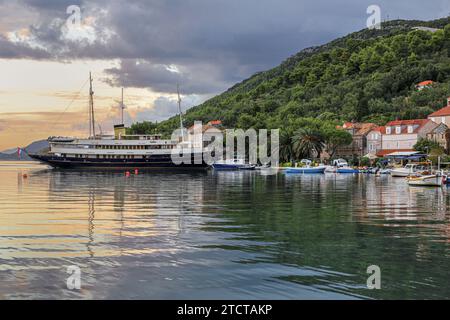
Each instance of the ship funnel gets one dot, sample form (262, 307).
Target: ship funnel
(119, 131)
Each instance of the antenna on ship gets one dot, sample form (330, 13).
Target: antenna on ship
(91, 109)
(179, 110)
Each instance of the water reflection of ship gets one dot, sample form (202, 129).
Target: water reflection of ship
(142, 204)
(91, 226)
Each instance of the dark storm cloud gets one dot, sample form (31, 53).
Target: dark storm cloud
(164, 78)
(213, 44)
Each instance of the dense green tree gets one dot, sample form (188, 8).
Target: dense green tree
(426, 145)
(335, 138)
(145, 127)
(286, 152)
(368, 75)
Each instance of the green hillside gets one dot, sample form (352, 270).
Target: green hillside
(368, 75)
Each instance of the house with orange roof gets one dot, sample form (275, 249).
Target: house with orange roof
(402, 135)
(424, 84)
(442, 115)
(359, 132)
(375, 140)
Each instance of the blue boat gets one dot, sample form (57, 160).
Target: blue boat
(307, 168)
(232, 164)
(347, 170)
(319, 169)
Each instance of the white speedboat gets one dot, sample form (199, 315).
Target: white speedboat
(411, 169)
(431, 180)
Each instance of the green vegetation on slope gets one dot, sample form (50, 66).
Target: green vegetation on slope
(368, 75)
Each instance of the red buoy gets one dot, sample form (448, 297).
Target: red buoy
(127, 173)
(136, 171)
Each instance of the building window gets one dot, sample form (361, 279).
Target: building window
(388, 130)
(443, 119)
(410, 129)
(398, 130)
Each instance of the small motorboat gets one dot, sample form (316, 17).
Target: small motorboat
(247, 166)
(318, 169)
(341, 166)
(306, 168)
(330, 169)
(411, 169)
(432, 180)
(233, 164)
(347, 170)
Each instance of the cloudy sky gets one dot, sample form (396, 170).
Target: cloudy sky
(47, 51)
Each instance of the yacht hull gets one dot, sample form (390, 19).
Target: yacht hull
(155, 161)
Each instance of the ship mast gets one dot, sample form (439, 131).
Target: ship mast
(179, 110)
(122, 107)
(91, 110)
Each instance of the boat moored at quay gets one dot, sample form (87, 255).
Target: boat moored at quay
(121, 150)
(127, 151)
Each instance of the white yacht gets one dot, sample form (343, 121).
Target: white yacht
(116, 151)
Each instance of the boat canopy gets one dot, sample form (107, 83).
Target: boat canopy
(406, 155)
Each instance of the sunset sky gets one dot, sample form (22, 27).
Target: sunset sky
(148, 47)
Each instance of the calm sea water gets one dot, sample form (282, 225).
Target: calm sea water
(214, 235)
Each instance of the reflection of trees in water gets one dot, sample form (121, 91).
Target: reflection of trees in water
(342, 223)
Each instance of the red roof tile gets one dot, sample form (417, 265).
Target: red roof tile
(361, 128)
(441, 112)
(419, 123)
(425, 83)
(379, 129)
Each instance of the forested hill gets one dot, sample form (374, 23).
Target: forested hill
(368, 75)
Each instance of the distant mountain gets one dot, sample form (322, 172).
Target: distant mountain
(37, 146)
(9, 151)
(11, 154)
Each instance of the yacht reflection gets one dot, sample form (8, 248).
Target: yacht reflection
(115, 208)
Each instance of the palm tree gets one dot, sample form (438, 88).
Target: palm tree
(306, 142)
(285, 147)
